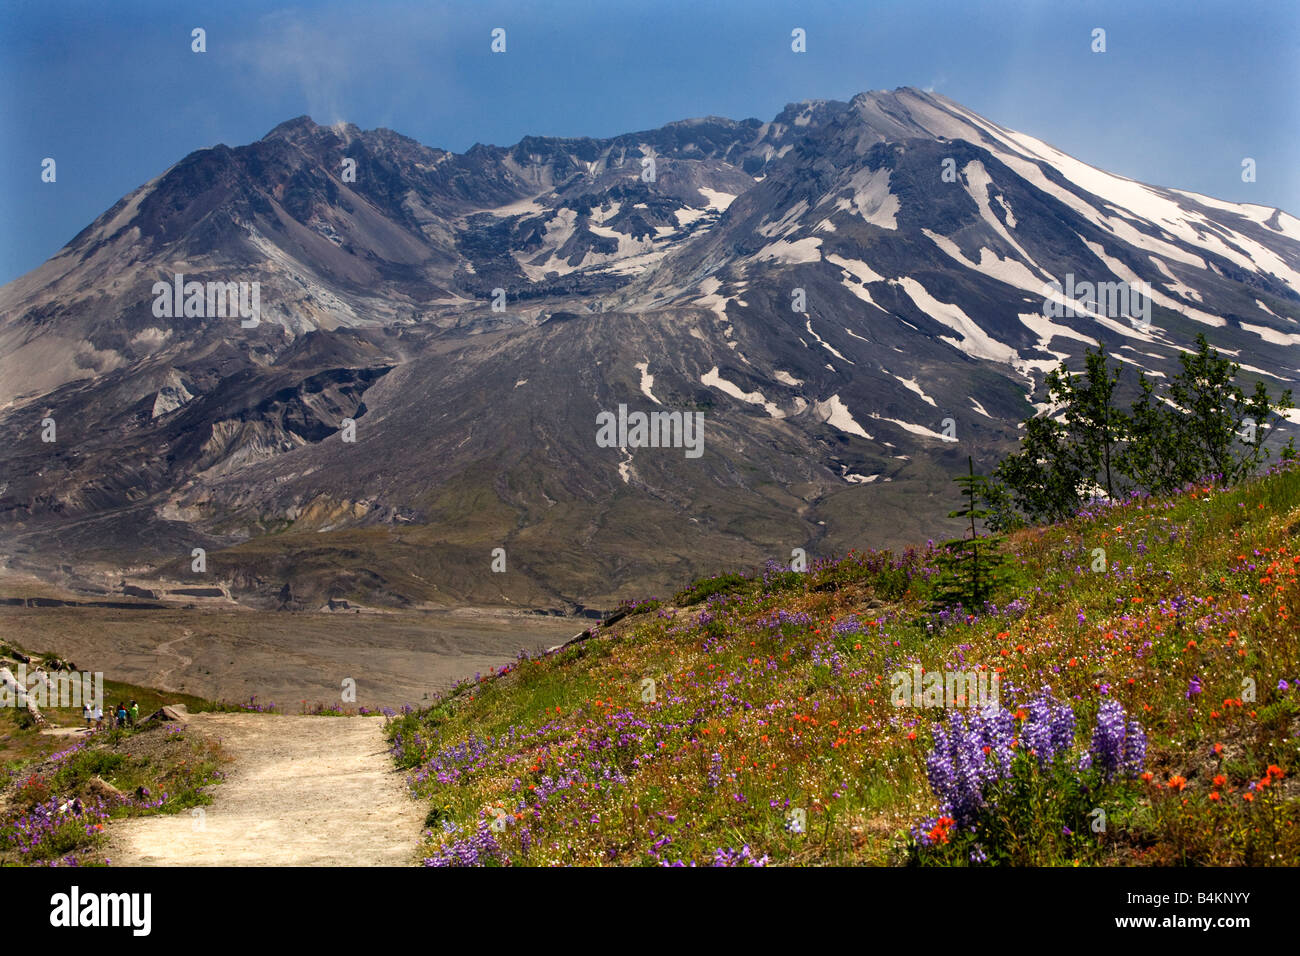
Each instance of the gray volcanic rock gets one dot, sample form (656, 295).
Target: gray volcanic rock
(837, 291)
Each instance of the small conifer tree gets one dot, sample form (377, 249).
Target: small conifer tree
(970, 567)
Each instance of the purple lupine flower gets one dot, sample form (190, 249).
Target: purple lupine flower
(1118, 744)
(970, 755)
(850, 625)
(474, 850)
(1062, 734)
(1049, 728)
(1135, 749)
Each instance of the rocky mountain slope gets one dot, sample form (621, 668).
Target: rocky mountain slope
(852, 295)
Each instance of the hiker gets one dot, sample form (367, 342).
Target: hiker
(120, 715)
(99, 715)
(88, 714)
(135, 713)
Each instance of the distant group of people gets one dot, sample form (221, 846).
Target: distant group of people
(122, 715)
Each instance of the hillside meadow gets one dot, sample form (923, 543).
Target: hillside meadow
(1146, 655)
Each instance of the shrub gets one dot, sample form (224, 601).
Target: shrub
(702, 590)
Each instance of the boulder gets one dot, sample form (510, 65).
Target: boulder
(169, 713)
(98, 787)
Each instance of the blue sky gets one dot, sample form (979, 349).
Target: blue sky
(112, 91)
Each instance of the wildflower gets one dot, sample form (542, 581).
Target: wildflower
(1117, 745)
(1049, 729)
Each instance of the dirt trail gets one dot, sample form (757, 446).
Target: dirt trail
(301, 791)
(166, 648)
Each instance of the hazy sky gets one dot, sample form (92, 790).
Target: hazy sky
(112, 91)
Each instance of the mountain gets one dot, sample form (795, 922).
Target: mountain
(840, 292)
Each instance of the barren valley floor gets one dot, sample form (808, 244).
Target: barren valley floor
(285, 658)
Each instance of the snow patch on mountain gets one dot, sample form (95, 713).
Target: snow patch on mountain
(824, 344)
(855, 268)
(912, 385)
(834, 413)
(871, 198)
(788, 222)
(1010, 271)
(1272, 335)
(1121, 271)
(978, 183)
(686, 215)
(713, 379)
(716, 200)
(1046, 330)
(714, 302)
(914, 428)
(974, 340)
(791, 253)
(647, 381)
(1265, 308)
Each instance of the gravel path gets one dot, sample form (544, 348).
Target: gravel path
(301, 791)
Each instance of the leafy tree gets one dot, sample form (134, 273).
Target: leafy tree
(970, 568)
(1154, 457)
(1001, 507)
(1215, 417)
(1204, 423)
(1066, 455)
(1042, 478)
(1097, 428)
